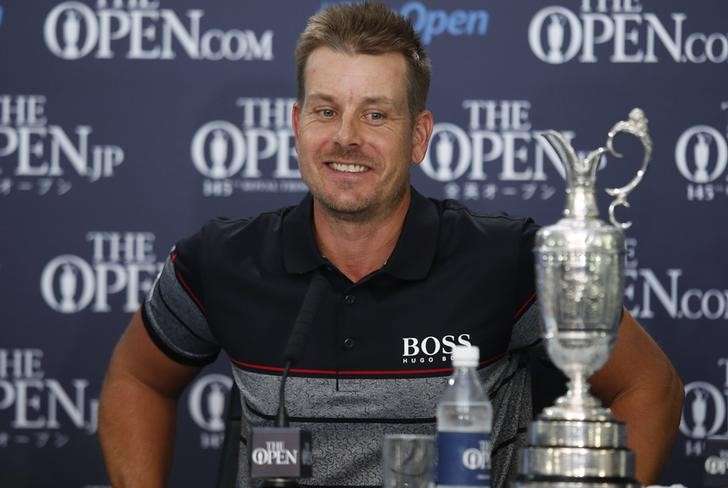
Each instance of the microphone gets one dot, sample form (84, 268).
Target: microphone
(302, 325)
(279, 455)
(297, 339)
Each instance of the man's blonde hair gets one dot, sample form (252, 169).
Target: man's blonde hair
(368, 28)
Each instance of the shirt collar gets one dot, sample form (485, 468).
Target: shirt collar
(412, 256)
(300, 252)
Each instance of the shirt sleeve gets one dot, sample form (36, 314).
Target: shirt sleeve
(526, 316)
(174, 312)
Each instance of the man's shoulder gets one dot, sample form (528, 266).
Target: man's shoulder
(225, 228)
(457, 217)
(244, 234)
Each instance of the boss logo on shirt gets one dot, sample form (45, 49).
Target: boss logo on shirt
(431, 349)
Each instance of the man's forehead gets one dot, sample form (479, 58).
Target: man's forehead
(369, 78)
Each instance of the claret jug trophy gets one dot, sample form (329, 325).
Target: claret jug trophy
(579, 274)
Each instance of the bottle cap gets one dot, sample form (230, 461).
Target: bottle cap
(467, 356)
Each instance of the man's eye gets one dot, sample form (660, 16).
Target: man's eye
(375, 116)
(326, 113)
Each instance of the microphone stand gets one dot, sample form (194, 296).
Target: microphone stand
(292, 354)
(281, 421)
(282, 414)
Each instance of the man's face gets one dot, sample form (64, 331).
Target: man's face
(354, 134)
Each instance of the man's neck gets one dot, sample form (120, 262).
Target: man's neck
(359, 248)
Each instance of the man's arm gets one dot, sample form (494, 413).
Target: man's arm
(138, 409)
(643, 390)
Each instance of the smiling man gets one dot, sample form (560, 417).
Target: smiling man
(357, 138)
(409, 277)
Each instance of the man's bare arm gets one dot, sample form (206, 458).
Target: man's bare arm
(643, 390)
(138, 409)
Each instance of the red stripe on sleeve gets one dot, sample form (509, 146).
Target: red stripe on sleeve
(522, 309)
(186, 286)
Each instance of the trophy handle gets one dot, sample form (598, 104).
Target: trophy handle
(565, 153)
(637, 126)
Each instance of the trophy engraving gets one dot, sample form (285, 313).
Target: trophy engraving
(580, 277)
(555, 38)
(444, 151)
(699, 409)
(218, 154)
(216, 407)
(71, 33)
(68, 284)
(701, 153)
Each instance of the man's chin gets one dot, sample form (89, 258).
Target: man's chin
(357, 208)
(350, 210)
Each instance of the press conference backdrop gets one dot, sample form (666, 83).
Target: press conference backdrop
(126, 124)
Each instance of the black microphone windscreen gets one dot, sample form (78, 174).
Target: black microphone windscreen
(299, 334)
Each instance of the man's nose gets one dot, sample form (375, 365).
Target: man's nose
(348, 132)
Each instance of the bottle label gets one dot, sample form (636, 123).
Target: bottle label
(463, 459)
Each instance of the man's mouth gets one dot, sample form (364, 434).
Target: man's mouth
(347, 167)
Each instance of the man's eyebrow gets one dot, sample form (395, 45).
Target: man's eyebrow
(378, 100)
(320, 96)
(372, 100)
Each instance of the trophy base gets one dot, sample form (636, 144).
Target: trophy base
(577, 433)
(588, 413)
(569, 453)
(279, 483)
(577, 463)
(566, 483)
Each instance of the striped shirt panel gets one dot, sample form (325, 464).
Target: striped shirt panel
(176, 321)
(349, 417)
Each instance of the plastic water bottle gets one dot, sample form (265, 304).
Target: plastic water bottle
(464, 421)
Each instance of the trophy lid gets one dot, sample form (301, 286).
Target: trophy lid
(581, 173)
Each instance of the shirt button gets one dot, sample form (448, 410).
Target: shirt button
(349, 343)
(349, 299)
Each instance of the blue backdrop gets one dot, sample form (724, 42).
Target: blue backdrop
(125, 124)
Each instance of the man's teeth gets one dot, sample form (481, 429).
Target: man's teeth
(348, 168)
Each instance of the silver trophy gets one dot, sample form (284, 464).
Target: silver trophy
(579, 272)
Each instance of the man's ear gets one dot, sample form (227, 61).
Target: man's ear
(421, 133)
(295, 118)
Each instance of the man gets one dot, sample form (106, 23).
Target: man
(409, 278)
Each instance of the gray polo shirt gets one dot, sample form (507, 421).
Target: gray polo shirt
(379, 352)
